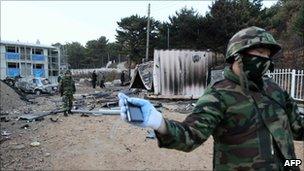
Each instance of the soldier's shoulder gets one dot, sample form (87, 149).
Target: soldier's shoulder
(223, 84)
(269, 81)
(271, 85)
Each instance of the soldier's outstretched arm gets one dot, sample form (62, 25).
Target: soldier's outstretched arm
(197, 127)
(296, 120)
(186, 135)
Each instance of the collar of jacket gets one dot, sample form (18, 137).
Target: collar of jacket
(230, 75)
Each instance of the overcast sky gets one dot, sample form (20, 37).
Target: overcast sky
(68, 21)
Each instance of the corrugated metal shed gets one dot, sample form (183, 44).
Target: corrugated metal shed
(180, 73)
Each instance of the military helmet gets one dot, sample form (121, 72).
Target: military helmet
(248, 38)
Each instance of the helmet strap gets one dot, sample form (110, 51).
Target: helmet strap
(242, 77)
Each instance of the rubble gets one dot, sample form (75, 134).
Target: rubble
(19, 147)
(47, 154)
(26, 126)
(35, 144)
(38, 115)
(9, 99)
(151, 134)
(4, 119)
(99, 112)
(5, 133)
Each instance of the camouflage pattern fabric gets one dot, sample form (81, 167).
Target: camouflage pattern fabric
(67, 89)
(252, 129)
(251, 37)
(67, 102)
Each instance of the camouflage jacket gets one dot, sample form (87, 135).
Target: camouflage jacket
(251, 130)
(67, 85)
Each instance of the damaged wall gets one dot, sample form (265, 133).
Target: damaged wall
(180, 73)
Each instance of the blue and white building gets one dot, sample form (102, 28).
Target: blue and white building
(27, 59)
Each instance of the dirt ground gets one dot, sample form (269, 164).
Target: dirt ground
(92, 143)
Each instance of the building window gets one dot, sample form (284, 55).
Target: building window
(54, 60)
(28, 53)
(53, 72)
(37, 51)
(37, 66)
(38, 70)
(22, 52)
(12, 69)
(12, 65)
(52, 52)
(37, 55)
(12, 49)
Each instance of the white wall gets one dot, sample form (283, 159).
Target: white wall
(2, 62)
(46, 66)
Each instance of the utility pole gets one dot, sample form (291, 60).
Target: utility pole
(168, 38)
(148, 31)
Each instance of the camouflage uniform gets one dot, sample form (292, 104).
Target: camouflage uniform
(67, 89)
(253, 127)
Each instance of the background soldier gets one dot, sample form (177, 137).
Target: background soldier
(101, 80)
(252, 120)
(94, 79)
(67, 89)
(122, 78)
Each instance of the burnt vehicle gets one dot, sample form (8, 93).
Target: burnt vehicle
(36, 85)
(11, 80)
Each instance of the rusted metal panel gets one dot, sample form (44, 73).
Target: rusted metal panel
(180, 72)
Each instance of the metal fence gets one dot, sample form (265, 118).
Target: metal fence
(290, 80)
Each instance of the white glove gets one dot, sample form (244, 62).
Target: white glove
(152, 118)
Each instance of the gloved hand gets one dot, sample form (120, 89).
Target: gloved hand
(152, 118)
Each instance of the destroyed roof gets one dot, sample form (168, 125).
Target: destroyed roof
(143, 76)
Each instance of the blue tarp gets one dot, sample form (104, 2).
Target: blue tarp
(12, 72)
(38, 57)
(38, 72)
(12, 55)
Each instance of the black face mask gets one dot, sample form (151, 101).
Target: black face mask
(255, 66)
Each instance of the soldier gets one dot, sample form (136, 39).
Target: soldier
(67, 89)
(252, 120)
(122, 78)
(94, 79)
(101, 80)
(59, 77)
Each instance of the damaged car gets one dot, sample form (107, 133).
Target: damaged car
(36, 85)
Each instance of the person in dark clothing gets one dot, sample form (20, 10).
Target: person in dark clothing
(100, 80)
(67, 89)
(94, 79)
(122, 77)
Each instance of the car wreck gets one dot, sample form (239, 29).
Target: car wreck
(36, 85)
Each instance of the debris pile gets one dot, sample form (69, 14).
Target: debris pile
(9, 98)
